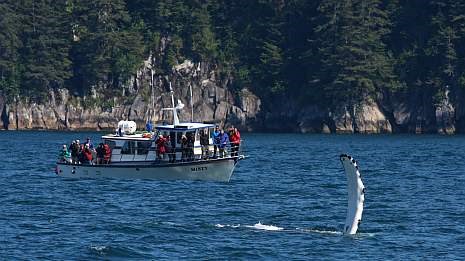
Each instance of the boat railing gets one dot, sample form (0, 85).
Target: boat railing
(228, 150)
(187, 154)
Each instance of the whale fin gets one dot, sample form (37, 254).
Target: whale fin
(356, 193)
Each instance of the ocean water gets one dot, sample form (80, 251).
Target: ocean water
(286, 201)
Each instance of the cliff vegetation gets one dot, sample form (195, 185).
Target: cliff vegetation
(368, 66)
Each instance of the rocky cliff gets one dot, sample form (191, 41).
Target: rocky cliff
(405, 115)
(143, 98)
(213, 100)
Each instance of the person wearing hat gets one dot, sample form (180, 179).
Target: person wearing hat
(74, 148)
(64, 155)
(85, 157)
(89, 142)
(184, 148)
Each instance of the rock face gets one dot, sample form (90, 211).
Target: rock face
(445, 116)
(370, 119)
(366, 118)
(211, 101)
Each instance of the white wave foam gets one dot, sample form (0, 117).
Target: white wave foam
(98, 248)
(320, 231)
(233, 226)
(261, 226)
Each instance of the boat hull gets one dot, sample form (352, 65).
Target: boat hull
(210, 170)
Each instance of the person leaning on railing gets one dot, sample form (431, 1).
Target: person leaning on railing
(216, 140)
(107, 155)
(224, 140)
(235, 139)
(172, 147)
(184, 148)
(161, 146)
(75, 151)
(85, 156)
(64, 155)
(100, 151)
(190, 146)
(205, 143)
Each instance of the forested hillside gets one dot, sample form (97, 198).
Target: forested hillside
(330, 54)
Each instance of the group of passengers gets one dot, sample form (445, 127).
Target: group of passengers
(85, 153)
(167, 145)
(221, 141)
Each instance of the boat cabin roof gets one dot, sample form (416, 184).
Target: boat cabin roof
(189, 126)
(126, 137)
(184, 126)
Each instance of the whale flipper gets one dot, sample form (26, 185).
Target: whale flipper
(356, 193)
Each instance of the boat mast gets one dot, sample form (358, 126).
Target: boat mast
(174, 109)
(152, 96)
(192, 104)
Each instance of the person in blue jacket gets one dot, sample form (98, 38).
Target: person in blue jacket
(224, 141)
(216, 140)
(149, 126)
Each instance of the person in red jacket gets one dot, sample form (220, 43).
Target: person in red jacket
(107, 155)
(86, 155)
(161, 146)
(235, 140)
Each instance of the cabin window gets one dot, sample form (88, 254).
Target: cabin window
(178, 137)
(111, 144)
(129, 147)
(143, 147)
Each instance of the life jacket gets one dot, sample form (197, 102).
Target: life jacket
(63, 155)
(161, 148)
(107, 150)
(88, 154)
(235, 138)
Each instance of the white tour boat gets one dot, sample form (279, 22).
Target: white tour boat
(134, 155)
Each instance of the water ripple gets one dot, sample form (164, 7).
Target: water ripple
(287, 201)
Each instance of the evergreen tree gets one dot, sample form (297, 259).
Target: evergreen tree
(9, 50)
(447, 24)
(353, 56)
(272, 61)
(222, 25)
(45, 46)
(302, 66)
(108, 48)
(200, 34)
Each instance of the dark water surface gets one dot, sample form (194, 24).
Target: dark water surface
(414, 203)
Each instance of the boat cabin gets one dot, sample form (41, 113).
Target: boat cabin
(141, 147)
